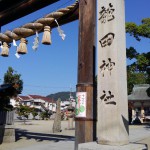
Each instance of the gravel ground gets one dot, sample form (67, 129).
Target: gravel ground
(39, 132)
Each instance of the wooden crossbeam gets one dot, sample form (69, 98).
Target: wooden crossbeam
(63, 16)
(15, 9)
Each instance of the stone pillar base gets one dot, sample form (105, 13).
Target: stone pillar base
(7, 134)
(95, 146)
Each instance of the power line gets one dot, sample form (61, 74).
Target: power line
(39, 86)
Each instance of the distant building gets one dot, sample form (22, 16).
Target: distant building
(39, 102)
(42, 103)
(139, 103)
(64, 105)
(67, 103)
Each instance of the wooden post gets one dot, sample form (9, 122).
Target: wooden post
(86, 127)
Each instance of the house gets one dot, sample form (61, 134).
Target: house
(64, 105)
(139, 103)
(17, 100)
(67, 103)
(41, 103)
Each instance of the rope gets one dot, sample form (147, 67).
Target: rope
(31, 28)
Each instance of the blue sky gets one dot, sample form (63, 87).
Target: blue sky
(136, 10)
(53, 68)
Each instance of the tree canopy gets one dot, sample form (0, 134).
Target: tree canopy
(12, 86)
(12, 77)
(137, 72)
(139, 31)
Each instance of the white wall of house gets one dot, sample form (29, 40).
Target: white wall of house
(52, 107)
(65, 104)
(27, 102)
(13, 102)
(46, 104)
(36, 104)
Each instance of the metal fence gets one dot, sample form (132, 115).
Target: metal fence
(6, 117)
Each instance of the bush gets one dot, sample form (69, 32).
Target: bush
(45, 115)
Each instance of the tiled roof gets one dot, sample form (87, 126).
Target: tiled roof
(42, 97)
(139, 92)
(31, 97)
(24, 98)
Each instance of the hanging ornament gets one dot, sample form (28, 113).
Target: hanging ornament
(46, 36)
(61, 32)
(36, 42)
(22, 48)
(17, 55)
(5, 50)
(14, 42)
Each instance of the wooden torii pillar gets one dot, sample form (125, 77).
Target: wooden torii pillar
(86, 127)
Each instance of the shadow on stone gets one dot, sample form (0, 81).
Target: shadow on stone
(126, 124)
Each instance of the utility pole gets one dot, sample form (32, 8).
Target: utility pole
(86, 127)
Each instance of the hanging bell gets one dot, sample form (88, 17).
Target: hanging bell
(46, 36)
(5, 50)
(22, 48)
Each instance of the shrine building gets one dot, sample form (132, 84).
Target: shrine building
(139, 103)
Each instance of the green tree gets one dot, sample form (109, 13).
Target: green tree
(24, 111)
(135, 78)
(138, 31)
(137, 70)
(45, 114)
(131, 53)
(12, 77)
(12, 86)
(34, 112)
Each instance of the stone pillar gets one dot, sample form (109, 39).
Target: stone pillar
(142, 111)
(133, 110)
(57, 120)
(70, 123)
(70, 118)
(112, 125)
(7, 134)
(133, 113)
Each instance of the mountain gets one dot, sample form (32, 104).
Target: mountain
(62, 95)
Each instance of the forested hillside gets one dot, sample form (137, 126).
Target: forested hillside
(63, 95)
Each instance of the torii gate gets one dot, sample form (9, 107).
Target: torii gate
(86, 126)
